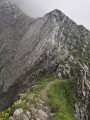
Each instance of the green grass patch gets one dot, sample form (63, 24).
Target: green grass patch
(62, 51)
(9, 112)
(62, 99)
(43, 83)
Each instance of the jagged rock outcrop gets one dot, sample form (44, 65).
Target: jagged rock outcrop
(31, 49)
(82, 107)
(39, 110)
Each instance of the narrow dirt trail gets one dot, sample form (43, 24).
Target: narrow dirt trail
(44, 91)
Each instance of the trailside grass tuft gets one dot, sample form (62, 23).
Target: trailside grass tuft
(62, 99)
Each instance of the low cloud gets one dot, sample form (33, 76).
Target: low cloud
(77, 10)
(31, 8)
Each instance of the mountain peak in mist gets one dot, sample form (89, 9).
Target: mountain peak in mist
(34, 49)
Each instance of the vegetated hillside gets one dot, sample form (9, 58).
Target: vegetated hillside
(31, 50)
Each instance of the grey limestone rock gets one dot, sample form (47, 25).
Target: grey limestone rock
(18, 112)
(31, 48)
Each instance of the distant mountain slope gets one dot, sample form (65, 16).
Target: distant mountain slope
(13, 25)
(31, 49)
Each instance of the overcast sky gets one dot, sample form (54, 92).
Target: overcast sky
(78, 10)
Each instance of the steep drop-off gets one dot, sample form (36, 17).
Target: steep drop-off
(13, 25)
(32, 49)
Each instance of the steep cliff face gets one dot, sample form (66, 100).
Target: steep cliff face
(31, 49)
(13, 25)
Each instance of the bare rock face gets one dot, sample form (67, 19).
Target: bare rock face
(30, 49)
(13, 25)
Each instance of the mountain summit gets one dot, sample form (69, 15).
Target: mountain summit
(33, 49)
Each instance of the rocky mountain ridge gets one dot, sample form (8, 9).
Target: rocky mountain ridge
(33, 49)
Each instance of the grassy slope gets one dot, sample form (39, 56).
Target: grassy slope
(9, 112)
(62, 99)
(61, 96)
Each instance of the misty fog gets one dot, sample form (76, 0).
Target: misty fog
(77, 10)
(31, 8)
